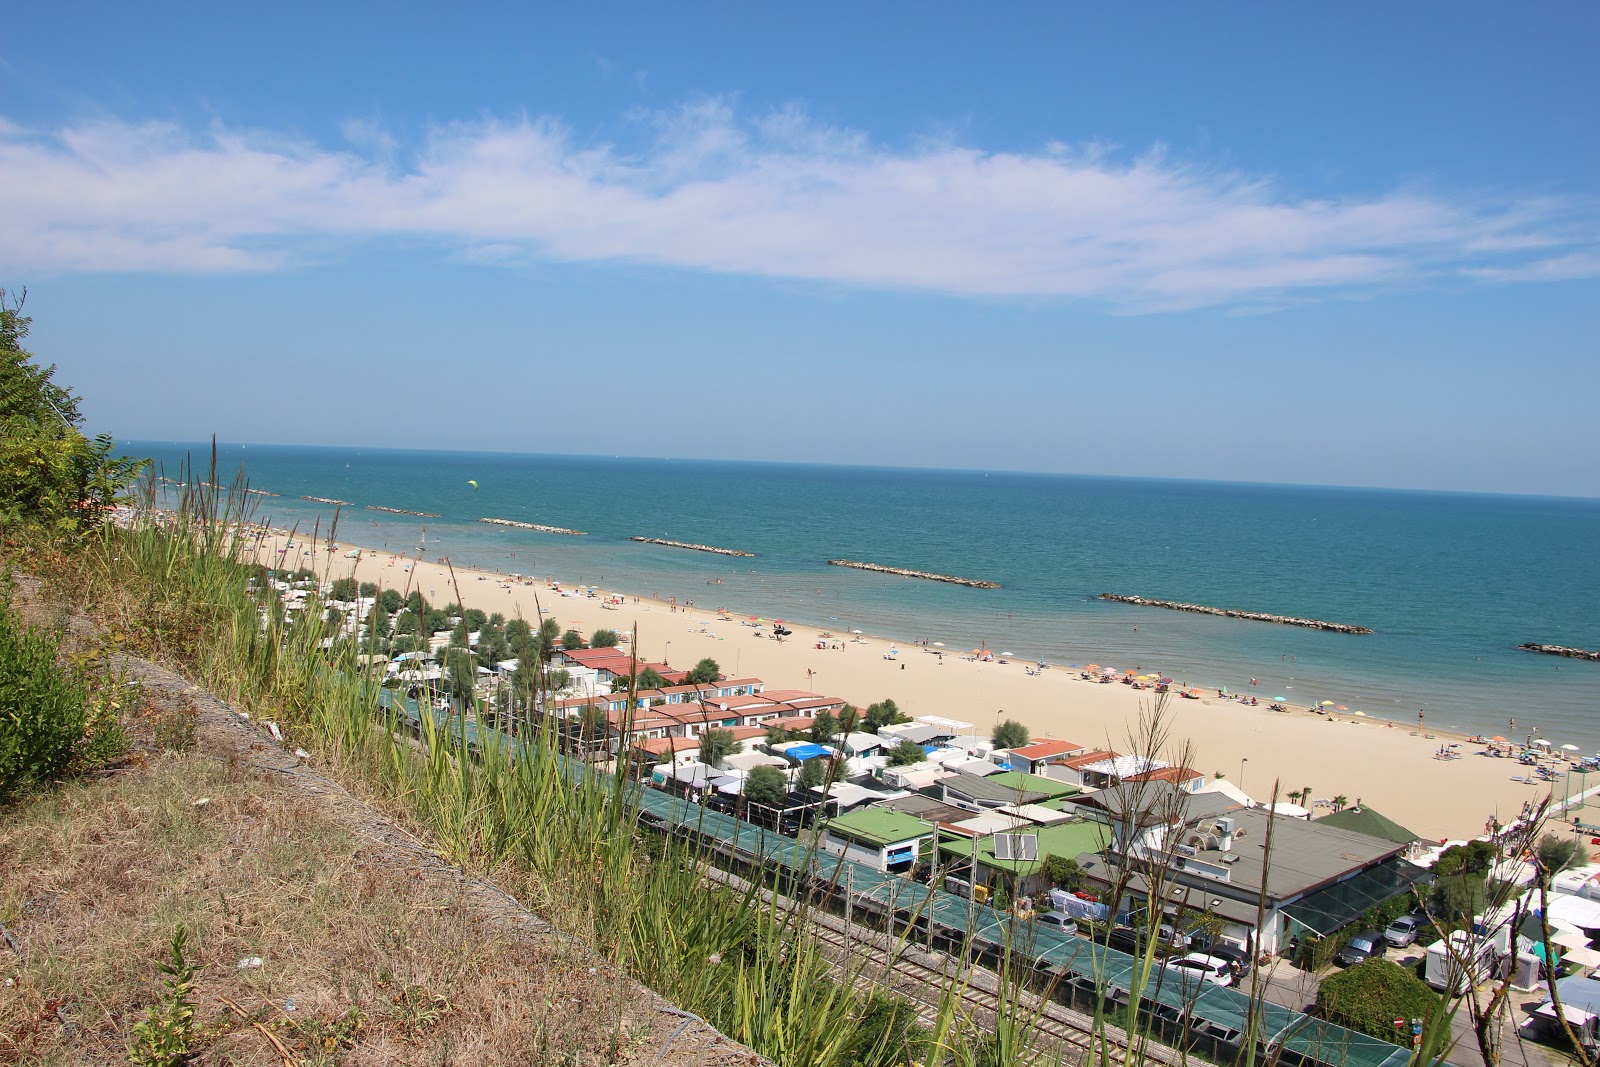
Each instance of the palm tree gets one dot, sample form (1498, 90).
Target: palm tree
(1340, 801)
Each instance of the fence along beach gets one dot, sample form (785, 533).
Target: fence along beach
(1233, 613)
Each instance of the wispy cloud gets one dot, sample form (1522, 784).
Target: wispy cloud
(777, 195)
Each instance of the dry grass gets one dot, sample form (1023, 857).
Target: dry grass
(373, 950)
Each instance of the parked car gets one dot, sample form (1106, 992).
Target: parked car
(1363, 946)
(1124, 939)
(1056, 920)
(1198, 965)
(1238, 957)
(1404, 931)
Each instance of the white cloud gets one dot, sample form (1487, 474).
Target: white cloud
(780, 196)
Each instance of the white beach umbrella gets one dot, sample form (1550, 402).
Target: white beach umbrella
(938, 644)
(1572, 748)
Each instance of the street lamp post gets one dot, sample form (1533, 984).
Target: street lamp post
(1242, 761)
(664, 649)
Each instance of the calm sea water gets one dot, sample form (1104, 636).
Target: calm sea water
(1451, 582)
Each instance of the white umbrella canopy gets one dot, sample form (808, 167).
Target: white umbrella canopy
(938, 644)
(1572, 748)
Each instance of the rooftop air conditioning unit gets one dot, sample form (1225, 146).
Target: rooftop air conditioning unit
(1224, 826)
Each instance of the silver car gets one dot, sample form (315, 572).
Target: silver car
(1404, 931)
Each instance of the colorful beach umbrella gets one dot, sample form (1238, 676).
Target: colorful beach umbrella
(1325, 704)
(1280, 699)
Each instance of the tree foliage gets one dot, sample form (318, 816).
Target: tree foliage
(906, 753)
(1010, 734)
(51, 475)
(1370, 996)
(716, 746)
(824, 726)
(704, 673)
(765, 786)
(813, 772)
(604, 639)
(883, 713)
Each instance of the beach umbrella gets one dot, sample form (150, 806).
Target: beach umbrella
(1013, 654)
(853, 631)
(938, 644)
(1164, 680)
(1571, 748)
(1340, 707)
(1497, 737)
(1091, 667)
(1362, 714)
(1325, 704)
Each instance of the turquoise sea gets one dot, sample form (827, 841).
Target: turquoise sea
(1450, 582)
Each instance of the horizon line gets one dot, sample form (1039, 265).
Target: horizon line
(885, 467)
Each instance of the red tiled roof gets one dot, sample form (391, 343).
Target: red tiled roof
(661, 746)
(1175, 775)
(1090, 757)
(1045, 747)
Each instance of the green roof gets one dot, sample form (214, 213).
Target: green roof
(1052, 788)
(879, 826)
(1365, 820)
(1066, 840)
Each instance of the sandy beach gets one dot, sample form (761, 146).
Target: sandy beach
(1388, 766)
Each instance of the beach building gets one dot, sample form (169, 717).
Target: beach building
(1365, 819)
(1040, 753)
(920, 733)
(977, 792)
(973, 850)
(1189, 781)
(1320, 878)
(888, 841)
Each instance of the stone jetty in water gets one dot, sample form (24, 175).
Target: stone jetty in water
(904, 572)
(534, 526)
(691, 546)
(1560, 650)
(402, 511)
(327, 500)
(1232, 613)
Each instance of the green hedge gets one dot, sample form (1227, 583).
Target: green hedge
(1371, 995)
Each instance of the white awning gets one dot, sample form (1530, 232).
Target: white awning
(1583, 957)
(1576, 911)
(1567, 937)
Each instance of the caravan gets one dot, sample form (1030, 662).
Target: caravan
(1444, 968)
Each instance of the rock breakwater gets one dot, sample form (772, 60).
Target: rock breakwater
(692, 546)
(403, 511)
(1233, 613)
(1559, 650)
(534, 526)
(904, 572)
(327, 500)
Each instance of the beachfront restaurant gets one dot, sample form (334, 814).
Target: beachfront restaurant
(887, 841)
(1320, 880)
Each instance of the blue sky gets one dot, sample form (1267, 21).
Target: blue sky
(1349, 245)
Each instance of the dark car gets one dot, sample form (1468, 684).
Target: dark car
(1124, 939)
(1364, 946)
(1238, 958)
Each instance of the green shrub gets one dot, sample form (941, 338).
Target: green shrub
(1370, 996)
(45, 724)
